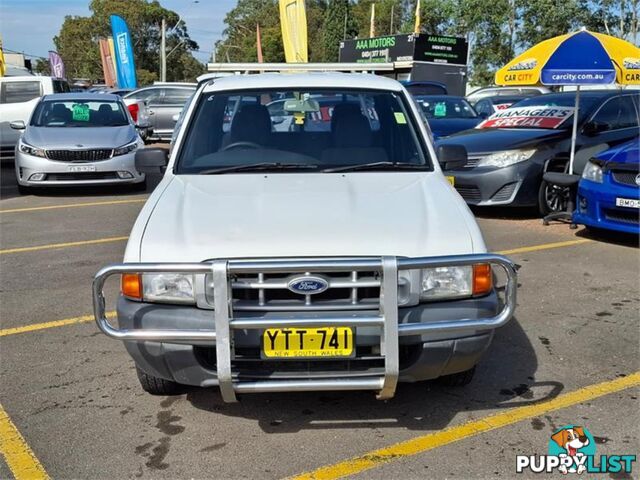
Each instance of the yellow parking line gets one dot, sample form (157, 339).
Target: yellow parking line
(62, 245)
(56, 323)
(454, 434)
(545, 246)
(73, 205)
(16, 452)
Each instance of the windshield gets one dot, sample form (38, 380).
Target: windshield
(300, 130)
(79, 113)
(445, 107)
(587, 104)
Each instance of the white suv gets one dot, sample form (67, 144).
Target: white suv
(331, 255)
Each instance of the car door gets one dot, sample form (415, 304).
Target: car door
(171, 103)
(617, 118)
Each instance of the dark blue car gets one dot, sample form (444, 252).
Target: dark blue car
(609, 191)
(447, 114)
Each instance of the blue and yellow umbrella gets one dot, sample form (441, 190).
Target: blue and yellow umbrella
(578, 58)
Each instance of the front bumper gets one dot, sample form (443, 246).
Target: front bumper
(515, 185)
(450, 336)
(58, 174)
(596, 206)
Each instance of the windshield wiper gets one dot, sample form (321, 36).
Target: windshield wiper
(376, 166)
(258, 167)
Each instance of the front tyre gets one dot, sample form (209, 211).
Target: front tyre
(22, 190)
(156, 385)
(459, 379)
(552, 198)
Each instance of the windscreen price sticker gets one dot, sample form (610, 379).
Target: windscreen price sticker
(528, 117)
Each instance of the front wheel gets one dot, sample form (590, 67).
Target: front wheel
(156, 385)
(552, 198)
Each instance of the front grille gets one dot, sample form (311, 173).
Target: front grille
(505, 192)
(92, 155)
(622, 216)
(269, 291)
(248, 364)
(61, 177)
(625, 177)
(469, 192)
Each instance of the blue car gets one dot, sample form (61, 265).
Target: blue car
(609, 191)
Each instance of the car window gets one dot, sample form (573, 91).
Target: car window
(60, 86)
(176, 96)
(17, 92)
(79, 113)
(445, 107)
(318, 128)
(617, 113)
(484, 107)
(151, 96)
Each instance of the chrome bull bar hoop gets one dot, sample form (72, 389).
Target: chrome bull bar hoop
(223, 321)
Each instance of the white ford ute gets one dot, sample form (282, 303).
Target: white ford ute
(330, 254)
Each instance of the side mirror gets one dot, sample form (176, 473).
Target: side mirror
(452, 157)
(483, 115)
(151, 160)
(591, 129)
(18, 125)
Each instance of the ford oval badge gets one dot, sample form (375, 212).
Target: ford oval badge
(308, 285)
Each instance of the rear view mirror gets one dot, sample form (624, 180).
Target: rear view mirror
(591, 129)
(452, 157)
(151, 160)
(17, 125)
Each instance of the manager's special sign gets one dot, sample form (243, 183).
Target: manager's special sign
(528, 117)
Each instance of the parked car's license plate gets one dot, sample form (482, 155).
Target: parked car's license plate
(627, 202)
(308, 342)
(452, 180)
(81, 168)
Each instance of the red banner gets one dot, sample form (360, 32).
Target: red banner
(528, 117)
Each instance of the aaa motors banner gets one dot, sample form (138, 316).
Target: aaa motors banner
(528, 117)
(125, 66)
(293, 20)
(56, 64)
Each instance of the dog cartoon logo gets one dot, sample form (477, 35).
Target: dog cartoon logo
(572, 444)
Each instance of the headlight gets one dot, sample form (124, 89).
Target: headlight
(129, 147)
(592, 172)
(506, 158)
(168, 287)
(31, 150)
(455, 282)
(159, 287)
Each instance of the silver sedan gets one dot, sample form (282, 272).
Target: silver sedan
(78, 139)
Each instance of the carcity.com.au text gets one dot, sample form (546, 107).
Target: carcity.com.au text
(573, 77)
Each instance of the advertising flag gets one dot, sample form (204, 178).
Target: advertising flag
(259, 44)
(125, 66)
(372, 22)
(293, 21)
(416, 27)
(108, 67)
(56, 64)
(2, 62)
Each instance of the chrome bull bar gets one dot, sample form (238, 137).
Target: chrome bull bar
(224, 321)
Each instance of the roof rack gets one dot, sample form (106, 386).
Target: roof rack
(299, 67)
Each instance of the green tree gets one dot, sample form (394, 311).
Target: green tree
(42, 66)
(543, 19)
(338, 25)
(383, 23)
(77, 42)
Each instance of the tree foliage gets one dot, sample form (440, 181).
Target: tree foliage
(77, 42)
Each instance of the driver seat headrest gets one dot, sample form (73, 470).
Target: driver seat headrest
(252, 123)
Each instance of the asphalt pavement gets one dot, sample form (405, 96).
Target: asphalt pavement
(74, 409)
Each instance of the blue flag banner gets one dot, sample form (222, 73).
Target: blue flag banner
(125, 65)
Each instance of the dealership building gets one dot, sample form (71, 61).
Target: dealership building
(416, 57)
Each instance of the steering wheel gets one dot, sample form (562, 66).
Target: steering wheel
(233, 145)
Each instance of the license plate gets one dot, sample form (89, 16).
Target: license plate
(451, 180)
(81, 168)
(627, 202)
(308, 342)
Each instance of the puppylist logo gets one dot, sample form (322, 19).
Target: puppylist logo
(572, 449)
